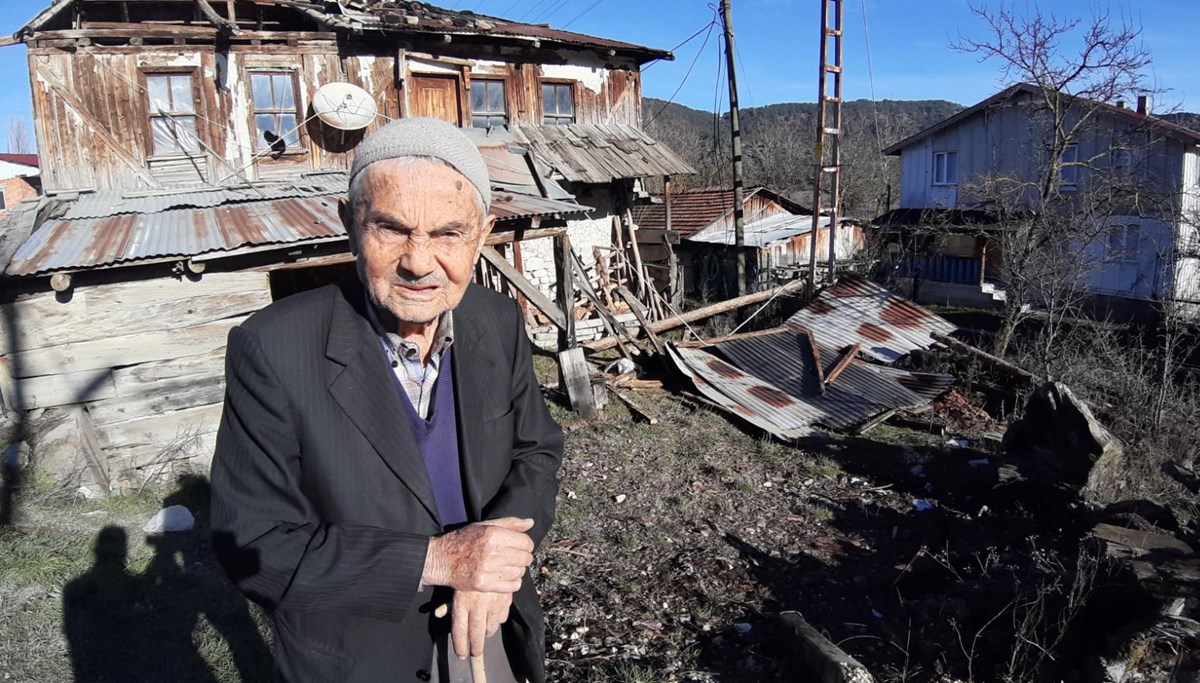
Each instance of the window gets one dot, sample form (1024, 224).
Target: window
(172, 113)
(274, 111)
(1122, 160)
(487, 103)
(558, 104)
(945, 168)
(1123, 241)
(1070, 172)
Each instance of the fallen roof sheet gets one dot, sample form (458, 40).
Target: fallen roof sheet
(858, 311)
(601, 153)
(772, 382)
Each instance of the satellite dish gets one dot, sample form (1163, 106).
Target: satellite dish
(344, 106)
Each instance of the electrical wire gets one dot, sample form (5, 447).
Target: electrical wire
(685, 42)
(580, 15)
(874, 103)
(685, 76)
(554, 9)
(531, 10)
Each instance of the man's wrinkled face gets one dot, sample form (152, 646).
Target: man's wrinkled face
(417, 229)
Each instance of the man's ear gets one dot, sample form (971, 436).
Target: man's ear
(346, 213)
(489, 222)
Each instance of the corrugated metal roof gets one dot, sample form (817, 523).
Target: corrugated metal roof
(760, 233)
(857, 311)
(585, 153)
(128, 236)
(692, 212)
(115, 202)
(772, 382)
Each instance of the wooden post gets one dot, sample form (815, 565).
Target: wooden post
(520, 266)
(565, 281)
(739, 219)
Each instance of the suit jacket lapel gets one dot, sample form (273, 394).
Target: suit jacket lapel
(366, 391)
(475, 372)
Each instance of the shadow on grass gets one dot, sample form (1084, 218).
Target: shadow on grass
(123, 626)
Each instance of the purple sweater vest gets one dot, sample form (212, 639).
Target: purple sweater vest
(437, 438)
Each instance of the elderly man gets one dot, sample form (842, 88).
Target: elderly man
(385, 451)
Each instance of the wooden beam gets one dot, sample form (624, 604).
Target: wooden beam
(60, 90)
(565, 279)
(703, 313)
(633, 407)
(816, 354)
(850, 354)
(223, 25)
(635, 306)
(497, 238)
(532, 293)
(577, 382)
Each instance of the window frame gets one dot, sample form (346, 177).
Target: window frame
(574, 102)
(486, 113)
(1128, 244)
(945, 181)
(152, 152)
(1069, 170)
(259, 144)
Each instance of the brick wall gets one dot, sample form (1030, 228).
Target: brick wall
(16, 190)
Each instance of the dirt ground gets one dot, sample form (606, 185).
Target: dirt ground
(674, 543)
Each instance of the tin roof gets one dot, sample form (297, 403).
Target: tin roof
(692, 212)
(760, 233)
(601, 153)
(414, 18)
(108, 229)
(772, 382)
(23, 159)
(858, 311)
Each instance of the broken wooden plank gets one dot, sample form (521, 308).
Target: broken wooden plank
(497, 238)
(816, 354)
(633, 407)
(576, 378)
(849, 355)
(987, 358)
(712, 341)
(705, 312)
(565, 279)
(634, 305)
(820, 661)
(158, 430)
(1136, 543)
(535, 296)
(873, 422)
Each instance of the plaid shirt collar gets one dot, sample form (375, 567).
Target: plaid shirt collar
(406, 350)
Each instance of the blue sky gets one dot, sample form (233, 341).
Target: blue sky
(776, 43)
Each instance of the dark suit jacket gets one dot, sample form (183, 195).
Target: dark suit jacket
(322, 508)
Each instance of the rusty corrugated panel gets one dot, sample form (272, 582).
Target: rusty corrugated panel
(71, 244)
(691, 212)
(587, 153)
(856, 310)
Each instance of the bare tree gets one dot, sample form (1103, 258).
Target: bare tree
(1053, 221)
(18, 137)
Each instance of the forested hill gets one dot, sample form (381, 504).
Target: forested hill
(777, 141)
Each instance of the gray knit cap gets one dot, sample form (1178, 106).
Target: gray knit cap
(425, 137)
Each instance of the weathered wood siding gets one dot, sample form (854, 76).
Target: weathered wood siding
(145, 361)
(91, 106)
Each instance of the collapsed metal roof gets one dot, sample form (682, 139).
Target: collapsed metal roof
(859, 311)
(760, 233)
(784, 382)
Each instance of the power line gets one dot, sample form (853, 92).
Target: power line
(685, 42)
(554, 9)
(580, 15)
(871, 81)
(531, 10)
(685, 76)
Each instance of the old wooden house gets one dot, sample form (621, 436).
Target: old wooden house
(777, 237)
(191, 177)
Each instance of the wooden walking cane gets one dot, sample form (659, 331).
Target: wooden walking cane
(478, 672)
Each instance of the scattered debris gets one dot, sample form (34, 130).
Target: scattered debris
(168, 519)
(817, 659)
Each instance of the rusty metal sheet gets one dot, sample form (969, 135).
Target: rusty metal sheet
(66, 244)
(586, 153)
(739, 393)
(856, 310)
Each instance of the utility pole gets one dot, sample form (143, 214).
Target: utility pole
(739, 218)
(829, 131)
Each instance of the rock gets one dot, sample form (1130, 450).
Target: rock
(173, 518)
(16, 456)
(620, 498)
(58, 449)
(816, 658)
(1059, 440)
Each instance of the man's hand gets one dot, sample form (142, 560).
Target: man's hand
(487, 557)
(475, 617)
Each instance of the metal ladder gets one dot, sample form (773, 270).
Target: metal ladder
(827, 150)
